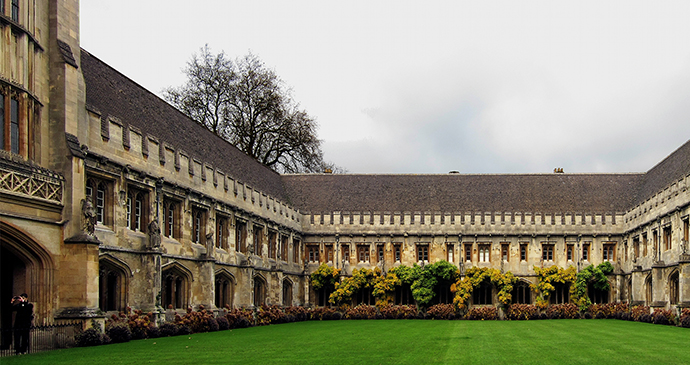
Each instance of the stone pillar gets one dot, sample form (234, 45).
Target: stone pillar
(659, 285)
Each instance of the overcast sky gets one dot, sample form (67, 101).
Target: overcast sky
(434, 86)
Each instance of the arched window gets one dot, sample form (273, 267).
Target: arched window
(112, 285)
(287, 293)
(259, 291)
(403, 295)
(98, 191)
(171, 218)
(136, 210)
(483, 294)
(648, 290)
(363, 296)
(522, 294)
(561, 293)
(597, 296)
(198, 220)
(175, 287)
(674, 287)
(225, 290)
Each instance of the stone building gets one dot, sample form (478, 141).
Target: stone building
(110, 197)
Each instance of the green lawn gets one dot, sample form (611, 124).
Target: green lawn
(399, 341)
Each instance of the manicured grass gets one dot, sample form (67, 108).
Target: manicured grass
(399, 342)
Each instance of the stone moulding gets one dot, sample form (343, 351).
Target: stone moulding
(25, 178)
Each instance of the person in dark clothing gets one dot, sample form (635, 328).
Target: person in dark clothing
(22, 322)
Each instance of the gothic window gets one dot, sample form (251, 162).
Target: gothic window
(585, 251)
(667, 237)
(468, 252)
(379, 253)
(423, 253)
(521, 293)
(9, 118)
(505, 252)
(482, 294)
(597, 296)
(259, 292)
(175, 292)
(171, 218)
(198, 225)
(644, 244)
(328, 253)
(258, 240)
(221, 232)
(313, 253)
(111, 286)
(345, 253)
(99, 192)
(674, 287)
(636, 247)
(547, 252)
(287, 293)
(397, 253)
(523, 252)
(449, 252)
(560, 294)
(484, 253)
(241, 236)
(569, 249)
(363, 253)
(648, 290)
(364, 296)
(403, 295)
(609, 250)
(15, 10)
(272, 244)
(136, 210)
(225, 290)
(295, 250)
(686, 230)
(284, 248)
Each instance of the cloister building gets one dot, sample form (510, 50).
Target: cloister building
(110, 197)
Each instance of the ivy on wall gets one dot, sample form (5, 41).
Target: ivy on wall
(591, 275)
(349, 286)
(547, 277)
(475, 276)
(325, 277)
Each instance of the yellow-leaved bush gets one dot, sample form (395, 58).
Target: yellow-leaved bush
(547, 276)
(474, 277)
(360, 279)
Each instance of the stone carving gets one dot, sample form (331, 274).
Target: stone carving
(154, 234)
(209, 242)
(89, 216)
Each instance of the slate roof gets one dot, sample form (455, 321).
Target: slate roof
(113, 94)
(669, 170)
(545, 193)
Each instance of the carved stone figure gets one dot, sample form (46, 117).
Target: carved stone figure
(209, 242)
(89, 216)
(154, 234)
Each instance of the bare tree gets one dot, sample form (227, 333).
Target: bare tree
(248, 105)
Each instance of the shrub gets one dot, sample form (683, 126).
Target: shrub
(685, 321)
(636, 312)
(360, 312)
(441, 311)
(168, 329)
(562, 311)
(212, 324)
(90, 337)
(240, 318)
(118, 332)
(270, 315)
(522, 312)
(298, 314)
(153, 332)
(398, 311)
(663, 316)
(223, 323)
(183, 329)
(482, 313)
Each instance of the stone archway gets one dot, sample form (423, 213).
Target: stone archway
(26, 267)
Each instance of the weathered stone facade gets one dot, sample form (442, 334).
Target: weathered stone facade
(112, 198)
